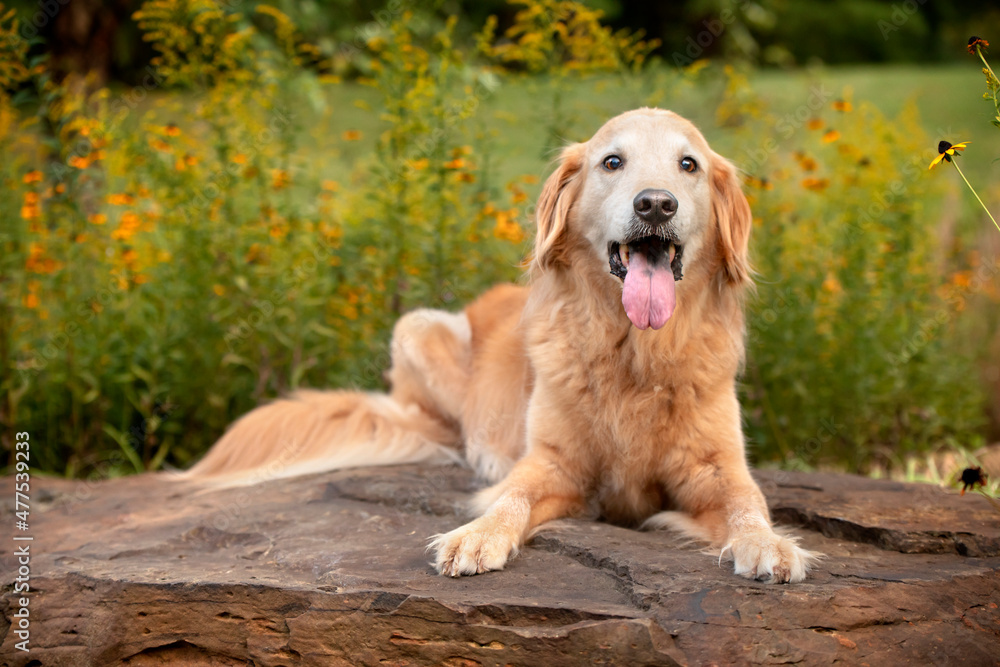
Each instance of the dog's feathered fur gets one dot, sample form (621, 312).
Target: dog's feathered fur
(552, 392)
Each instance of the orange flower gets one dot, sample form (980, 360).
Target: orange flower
(79, 162)
(37, 262)
(31, 300)
(33, 177)
(842, 105)
(279, 179)
(831, 136)
(351, 135)
(127, 227)
(330, 186)
(814, 123)
(977, 43)
(219, 289)
(172, 130)
(815, 184)
(240, 158)
(806, 162)
(507, 227)
(97, 218)
(160, 145)
(122, 199)
(457, 163)
(31, 208)
(418, 165)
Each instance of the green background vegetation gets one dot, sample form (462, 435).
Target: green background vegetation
(256, 218)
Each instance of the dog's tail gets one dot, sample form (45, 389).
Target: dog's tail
(316, 431)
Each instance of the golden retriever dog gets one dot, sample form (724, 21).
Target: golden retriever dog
(605, 387)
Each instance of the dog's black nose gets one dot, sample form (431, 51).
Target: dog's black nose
(654, 206)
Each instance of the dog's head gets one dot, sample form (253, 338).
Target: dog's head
(650, 200)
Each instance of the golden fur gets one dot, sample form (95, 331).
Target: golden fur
(556, 397)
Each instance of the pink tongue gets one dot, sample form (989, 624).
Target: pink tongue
(648, 294)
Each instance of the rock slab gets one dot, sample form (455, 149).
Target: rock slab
(331, 569)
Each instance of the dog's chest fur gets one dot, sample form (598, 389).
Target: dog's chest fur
(629, 392)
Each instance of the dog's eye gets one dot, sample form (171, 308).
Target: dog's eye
(613, 162)
(689, 165)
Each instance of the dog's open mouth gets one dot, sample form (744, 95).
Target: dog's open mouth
(649, 267)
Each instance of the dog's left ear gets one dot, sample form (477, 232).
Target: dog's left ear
(553, 207)
(734, 220)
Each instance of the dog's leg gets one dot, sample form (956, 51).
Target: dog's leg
(536, 490)
(721, 503)
(431, 359)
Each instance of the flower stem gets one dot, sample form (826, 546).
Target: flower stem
(983, 58)
(955, 162)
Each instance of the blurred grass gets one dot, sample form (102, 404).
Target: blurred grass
(945, 96)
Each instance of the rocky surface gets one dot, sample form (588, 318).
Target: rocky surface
(331, 570)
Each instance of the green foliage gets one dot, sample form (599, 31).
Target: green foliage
(173, 259)
(856, 349)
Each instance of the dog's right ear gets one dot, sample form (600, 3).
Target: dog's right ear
(553, 208)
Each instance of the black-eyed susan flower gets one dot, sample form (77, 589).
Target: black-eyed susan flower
(977, 43)
(971, 478)
(946, 150)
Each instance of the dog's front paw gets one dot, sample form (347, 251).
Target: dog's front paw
(769, 557)
(474, 548)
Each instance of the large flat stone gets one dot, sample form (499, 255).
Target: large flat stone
(331, 570)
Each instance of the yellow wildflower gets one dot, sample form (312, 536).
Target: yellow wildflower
(831, 136)
(842, 105)
(946, 150)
